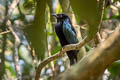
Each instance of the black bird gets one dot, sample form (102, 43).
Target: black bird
(67, 35)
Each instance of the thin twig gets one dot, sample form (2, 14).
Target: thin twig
(97, 39)
(16, 60)
(5, 32)
(17, 40)
(12, 31)
(59, 54)
(12, 7)
(16, 44)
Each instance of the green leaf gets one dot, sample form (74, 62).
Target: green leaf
(90, 11)
(114, 69)
(10, 68)
(59, 9)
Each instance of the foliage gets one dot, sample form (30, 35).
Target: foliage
(33, 24)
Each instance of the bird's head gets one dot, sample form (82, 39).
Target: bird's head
(60, 17)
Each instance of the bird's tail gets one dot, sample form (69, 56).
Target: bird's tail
(72, 56)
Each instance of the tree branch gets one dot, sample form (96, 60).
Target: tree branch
(17, 40)
(59, 54)
(94, 64)
(5, 32)
(72, 46)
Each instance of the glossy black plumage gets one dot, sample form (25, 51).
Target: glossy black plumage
(66, 35)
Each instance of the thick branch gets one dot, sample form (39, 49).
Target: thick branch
(94, 64)
(58, 55)
(37, 29)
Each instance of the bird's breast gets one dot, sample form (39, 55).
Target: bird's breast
(59, 32)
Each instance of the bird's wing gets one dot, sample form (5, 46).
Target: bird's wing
(69, 33)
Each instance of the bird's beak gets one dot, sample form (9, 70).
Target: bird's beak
(54, 15)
